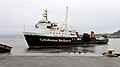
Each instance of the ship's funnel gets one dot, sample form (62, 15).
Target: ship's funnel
(77, 34)
(92, 34)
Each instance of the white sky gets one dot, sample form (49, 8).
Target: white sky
(100, 16)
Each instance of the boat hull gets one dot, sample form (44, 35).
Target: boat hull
(5, 48)
(36, 41)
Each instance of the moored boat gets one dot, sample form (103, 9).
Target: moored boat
(5, 48)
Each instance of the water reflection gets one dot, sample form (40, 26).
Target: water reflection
(60, 50)
(87, 49)
(46, 50)
(99, 49)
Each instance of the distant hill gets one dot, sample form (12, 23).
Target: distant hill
(116, 33)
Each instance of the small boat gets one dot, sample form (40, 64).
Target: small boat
(5, 48)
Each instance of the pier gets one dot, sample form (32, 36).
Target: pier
(58, 60)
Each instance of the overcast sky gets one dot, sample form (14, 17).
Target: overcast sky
(100, 16)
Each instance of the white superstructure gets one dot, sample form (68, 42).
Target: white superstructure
(48, 28)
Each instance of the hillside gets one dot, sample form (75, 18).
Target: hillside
(116, 33)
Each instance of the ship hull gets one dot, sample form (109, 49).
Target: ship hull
(36, 41)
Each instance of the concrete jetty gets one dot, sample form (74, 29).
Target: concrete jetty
(58, 60)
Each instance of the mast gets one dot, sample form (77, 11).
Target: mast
(66, 17)
(45, 15)
(64, 25)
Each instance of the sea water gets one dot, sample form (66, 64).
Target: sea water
(19, 45)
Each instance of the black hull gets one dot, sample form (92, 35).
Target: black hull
(5, 48)
(96, 42)
(35, 41)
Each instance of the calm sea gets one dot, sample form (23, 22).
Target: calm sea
(20, 46)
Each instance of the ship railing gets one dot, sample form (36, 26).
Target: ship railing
(32, 33)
